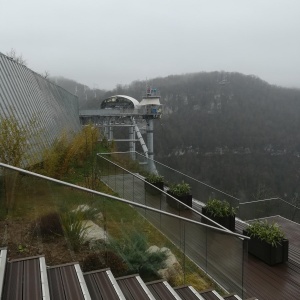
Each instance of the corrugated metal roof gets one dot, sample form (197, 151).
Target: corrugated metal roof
(23, 280)
(102, 285)
(28, 96)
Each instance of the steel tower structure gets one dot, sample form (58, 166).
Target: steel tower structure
(125, 111)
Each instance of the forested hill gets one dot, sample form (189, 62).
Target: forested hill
(233, 131)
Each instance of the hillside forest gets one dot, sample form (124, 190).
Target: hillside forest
(235, 132)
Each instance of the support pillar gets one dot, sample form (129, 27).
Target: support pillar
(111, 132)
(132, 142)
(149, 132)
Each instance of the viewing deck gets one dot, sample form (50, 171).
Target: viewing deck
(265, 282)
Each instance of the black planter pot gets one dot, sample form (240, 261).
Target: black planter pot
(152, 190)
(186, 199)
(227, 221)
(266, 252)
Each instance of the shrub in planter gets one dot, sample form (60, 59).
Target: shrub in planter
(182, 192)
(267, 242)
(221, 212)
(156, 180)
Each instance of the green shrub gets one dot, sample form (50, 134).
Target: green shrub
(218, 208)
(154, 178)
(74, 228)
(271, 233)
(180, 189)
(133, 248)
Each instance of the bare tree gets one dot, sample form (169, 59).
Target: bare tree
(18, 58)
(46, 74)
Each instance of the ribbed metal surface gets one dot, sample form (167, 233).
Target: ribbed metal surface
(28, 96)
(23, 280)
(64, 283)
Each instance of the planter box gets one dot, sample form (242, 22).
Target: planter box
(186, 199)
(266, 252)
(228, 221)
(151, 190)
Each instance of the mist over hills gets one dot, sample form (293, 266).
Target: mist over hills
(233, 131)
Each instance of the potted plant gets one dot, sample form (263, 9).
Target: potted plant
(156, 180)
(267, 242)
(221, 212)
(182, 192)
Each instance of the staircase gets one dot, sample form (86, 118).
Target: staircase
(30, 279)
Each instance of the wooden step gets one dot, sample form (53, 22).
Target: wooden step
(103, 285)
(134, 288)
(188, 293)
(162, 290)
(67, 282)
(26, 279)
(211, 295)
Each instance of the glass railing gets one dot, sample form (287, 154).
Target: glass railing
(40, 215)
(139, 164)
(143, 165)
(268, 208)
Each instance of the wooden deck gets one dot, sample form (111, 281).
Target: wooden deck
(260, 280)
(280, 281)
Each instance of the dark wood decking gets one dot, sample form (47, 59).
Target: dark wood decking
(281, 281)
(260, 280)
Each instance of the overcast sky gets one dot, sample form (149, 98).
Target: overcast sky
(102, 43)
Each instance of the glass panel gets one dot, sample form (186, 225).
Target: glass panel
(33, 209)
(144, 165)
(267, 208)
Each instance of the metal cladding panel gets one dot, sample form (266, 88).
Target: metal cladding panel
(28, 96)
(23, 280)
(64, 283)
(100, 286)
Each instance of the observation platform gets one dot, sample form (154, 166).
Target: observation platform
(265, 282)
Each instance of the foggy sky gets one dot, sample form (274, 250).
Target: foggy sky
(102, 43)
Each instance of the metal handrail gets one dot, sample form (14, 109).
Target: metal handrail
(117, 199)
(190, 177)
(194, 210)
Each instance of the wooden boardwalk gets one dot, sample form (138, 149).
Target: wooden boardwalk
(260, 280)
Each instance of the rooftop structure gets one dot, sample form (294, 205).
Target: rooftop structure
(29, 97)
(125, 111)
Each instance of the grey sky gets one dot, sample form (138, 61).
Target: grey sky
(102, 43)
